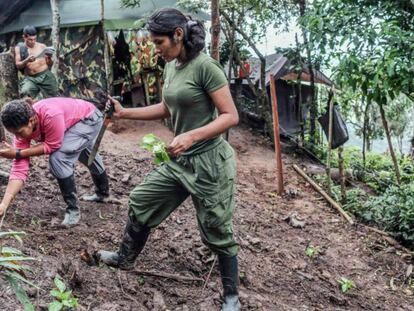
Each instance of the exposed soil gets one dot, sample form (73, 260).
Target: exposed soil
(276, 274)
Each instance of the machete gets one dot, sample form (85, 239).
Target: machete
(106, 121)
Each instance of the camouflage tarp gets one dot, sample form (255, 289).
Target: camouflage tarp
(144, 61)
(81, 60)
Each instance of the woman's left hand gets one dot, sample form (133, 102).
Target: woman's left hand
(7, 151)
(180, 144)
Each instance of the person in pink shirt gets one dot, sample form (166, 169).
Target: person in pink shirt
(64, 129)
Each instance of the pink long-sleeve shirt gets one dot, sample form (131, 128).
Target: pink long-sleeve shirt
(55, 116)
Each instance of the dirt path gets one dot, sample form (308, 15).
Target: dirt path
(275, 272)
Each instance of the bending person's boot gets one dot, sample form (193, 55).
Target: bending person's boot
(68, 189)
(133, 241)
(101, 188)
(230, 279)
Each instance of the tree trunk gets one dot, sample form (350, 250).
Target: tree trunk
(263, 102)
(108, 64)
(299, 97)
(365, 142)
(313, 108)
(387, 133)
(54, 4)
(215, 29)
(8, 82)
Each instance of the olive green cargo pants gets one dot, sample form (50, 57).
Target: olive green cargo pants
(209, 178)
(43, 82)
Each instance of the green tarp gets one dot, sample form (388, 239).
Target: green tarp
(82, 12)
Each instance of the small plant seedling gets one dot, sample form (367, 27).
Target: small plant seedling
(141, 280)
(346, 284)
(155, 145)
(64, 299)
(312, 251)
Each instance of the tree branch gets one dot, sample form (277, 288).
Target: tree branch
(243, 34)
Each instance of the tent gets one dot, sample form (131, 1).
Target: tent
(83, 35)
(291, 111)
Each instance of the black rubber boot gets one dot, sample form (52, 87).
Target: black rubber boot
(133, 242)
(101, 188)
(68, 189)
(230, 278)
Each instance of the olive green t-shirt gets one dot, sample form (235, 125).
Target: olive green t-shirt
(186, 94)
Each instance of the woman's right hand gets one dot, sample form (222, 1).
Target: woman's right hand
(3, 208)
(117, 107)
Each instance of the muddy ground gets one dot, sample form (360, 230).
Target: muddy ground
(276, 274)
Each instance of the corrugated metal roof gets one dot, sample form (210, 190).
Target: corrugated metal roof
(278, 65)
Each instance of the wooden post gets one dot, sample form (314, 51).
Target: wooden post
(54, 4)
(278, 150)
(144, 80)
(159, 87)
(328, 158)
(342, 177)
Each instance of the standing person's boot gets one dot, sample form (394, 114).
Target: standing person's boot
(101, 189)
(68, 189)
(230, 278)
(133, 241)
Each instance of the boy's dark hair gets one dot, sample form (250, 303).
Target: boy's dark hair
(99, 99)
(16, 114)
(29, 31)
(167, 20)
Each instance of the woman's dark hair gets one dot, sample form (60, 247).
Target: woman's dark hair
(16, 114)
(167, 20)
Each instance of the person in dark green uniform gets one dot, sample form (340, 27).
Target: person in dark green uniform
(197, 98)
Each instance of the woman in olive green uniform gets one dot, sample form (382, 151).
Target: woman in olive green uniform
(197, 98)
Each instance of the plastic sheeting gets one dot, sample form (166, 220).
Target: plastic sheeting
(339, 130)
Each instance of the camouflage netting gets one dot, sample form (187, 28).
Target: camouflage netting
(135, 60)
(81, 59)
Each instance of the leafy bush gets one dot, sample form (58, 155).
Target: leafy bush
(393, 211)
(13, 270)
(378, 172)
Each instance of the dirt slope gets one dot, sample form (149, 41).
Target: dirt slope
(276, 273)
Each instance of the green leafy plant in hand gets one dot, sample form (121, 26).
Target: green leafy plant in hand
(346, 284)
(64, 299)
(155, 145)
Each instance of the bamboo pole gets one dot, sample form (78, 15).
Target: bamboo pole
(328, 158)
(278, 150)
(323, 193)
